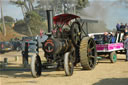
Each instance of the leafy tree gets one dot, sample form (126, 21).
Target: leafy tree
(20, 27)
(61, 6)
(8, 19)
(82, 4)
(20, 23)
(31, 7)
(34, 22)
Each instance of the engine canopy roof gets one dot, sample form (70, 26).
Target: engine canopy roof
(64, 18)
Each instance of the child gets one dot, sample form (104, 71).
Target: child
(126, 46)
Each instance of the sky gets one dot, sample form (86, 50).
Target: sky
(113, 16)
(11, 10)
(110, 12)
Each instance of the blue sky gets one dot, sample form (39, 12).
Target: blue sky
(115, 14)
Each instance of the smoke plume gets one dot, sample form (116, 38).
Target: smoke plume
(107, 12)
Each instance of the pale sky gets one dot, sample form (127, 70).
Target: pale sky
(119, 14)
(11, 10)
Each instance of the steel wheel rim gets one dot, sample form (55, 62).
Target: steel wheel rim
(76, 32)
(91, 52)
(70, 63)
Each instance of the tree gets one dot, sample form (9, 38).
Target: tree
(82, 4)
(34, 22)
(9, 19)
(61, 6)
(31, 7)
(2, 17)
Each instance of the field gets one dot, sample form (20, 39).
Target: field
(105, 73)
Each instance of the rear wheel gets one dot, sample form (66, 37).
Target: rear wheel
(88, 53)
(68, 64)
(36, 66)
(113, 57)
(76, 33)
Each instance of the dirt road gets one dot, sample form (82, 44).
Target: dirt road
(105, 73)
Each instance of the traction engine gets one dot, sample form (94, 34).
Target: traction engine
(67, 44)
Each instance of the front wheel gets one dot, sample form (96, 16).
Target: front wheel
(36, 66)
(113, 57)
(68, 64)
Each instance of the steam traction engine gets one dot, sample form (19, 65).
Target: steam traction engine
(67, 44)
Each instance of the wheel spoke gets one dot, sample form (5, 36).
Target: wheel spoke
(90, 48)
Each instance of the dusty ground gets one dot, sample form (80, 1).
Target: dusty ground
(105, 73)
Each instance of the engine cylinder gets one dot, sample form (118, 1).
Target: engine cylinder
(55, 46)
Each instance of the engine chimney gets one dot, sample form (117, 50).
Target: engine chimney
(50, 20)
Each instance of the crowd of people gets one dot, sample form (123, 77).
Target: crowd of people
(122, 27)
(109, 37)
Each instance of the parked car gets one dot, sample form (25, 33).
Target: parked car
(17, 45)
(5, 46)
(28, 38)
(98, 37)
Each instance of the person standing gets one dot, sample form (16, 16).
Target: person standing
(118, 27)
(112, 38)
(105, 38)
(126, 29)
(126, 25)
(122, 27)
(126, 46)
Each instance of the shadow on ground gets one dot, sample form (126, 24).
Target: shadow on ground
(107, 61)
(20, 72)
(14, 72)
(113, 81)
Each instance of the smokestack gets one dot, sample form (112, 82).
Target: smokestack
(50, 20)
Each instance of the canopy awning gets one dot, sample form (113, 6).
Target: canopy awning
(64, 18)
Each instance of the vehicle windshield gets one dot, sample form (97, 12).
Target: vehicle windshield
(98, 37)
